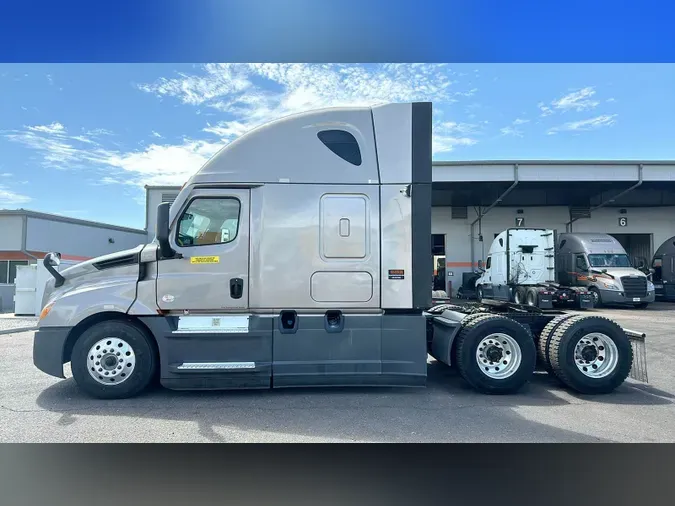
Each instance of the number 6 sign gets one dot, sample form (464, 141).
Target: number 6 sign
(623, 221)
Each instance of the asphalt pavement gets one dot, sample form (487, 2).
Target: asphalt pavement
(35, 407)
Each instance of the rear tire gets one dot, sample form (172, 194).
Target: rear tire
(113, 359)
(544, 340)
(520, 295)
(590, 354)
(495, 354)
(532, 297)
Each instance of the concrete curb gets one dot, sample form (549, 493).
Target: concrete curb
(17, 330)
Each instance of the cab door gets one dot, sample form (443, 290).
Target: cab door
(211, 269)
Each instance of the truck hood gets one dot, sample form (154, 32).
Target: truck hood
(619, 272)
(110, 265)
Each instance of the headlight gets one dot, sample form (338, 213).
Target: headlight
(609, 285)
(650, 286)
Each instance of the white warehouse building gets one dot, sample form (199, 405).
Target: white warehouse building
(475, 200)
(28, 235)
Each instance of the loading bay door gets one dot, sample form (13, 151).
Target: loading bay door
(638, 246)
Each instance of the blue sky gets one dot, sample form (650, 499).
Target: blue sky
(83, 140)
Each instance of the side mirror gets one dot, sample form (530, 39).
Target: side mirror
(480, 264)
(651, 271)
(50, 260)
(163, 230)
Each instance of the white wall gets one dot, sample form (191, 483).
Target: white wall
(11, 232)
(79, 240)
(658, 221)
(153, 199)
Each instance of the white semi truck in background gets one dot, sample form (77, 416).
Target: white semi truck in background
(300, 255)
(521, 268)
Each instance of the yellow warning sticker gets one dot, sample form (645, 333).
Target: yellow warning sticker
(204, 260)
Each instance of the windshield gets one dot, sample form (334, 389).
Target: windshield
(609, 260)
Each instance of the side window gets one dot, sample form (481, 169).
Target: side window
(209, 221)
(488, 263)
(342, 144)
(582, 265)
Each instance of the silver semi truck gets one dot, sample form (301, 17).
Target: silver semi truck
(300, 255)
(600, 263)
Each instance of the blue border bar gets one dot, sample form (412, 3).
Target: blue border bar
(337, 31)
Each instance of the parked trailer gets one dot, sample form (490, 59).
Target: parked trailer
(521, 268)
(300, 255)
(663, 269)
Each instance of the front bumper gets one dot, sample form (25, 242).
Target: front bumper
(665, 291)
(49, 346)
(618, 297)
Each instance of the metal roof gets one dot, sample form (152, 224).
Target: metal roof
(65, 219)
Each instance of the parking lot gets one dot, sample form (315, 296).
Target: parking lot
(37, 408)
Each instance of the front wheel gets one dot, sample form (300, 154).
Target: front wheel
(596, 297)
(113, 360)
(495, 355)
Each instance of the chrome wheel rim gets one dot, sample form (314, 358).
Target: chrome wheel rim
(596, 355)
(498, 356)
(596, 297)
(516, 298)
(111, 361)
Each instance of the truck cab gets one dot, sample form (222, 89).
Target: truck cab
(600, 263)
(282, 262)
(663, 266)
(518, 260)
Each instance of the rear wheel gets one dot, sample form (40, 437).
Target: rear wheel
(545, 339)
(531, 297)
(113, 360)
(495, 355)
(520, 295)
(590, 354)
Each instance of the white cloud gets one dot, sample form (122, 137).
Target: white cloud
(509, 130)
(545, 110)
(605, 120)
(54, 128)
(245, 95)
(520, 121)
(243, 90)
(577, 101)
(6, 174)
(10, 198)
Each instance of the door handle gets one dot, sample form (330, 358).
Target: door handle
(236, 288)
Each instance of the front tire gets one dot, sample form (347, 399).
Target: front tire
(113, 360)
(590, 354)
(597, 298)
(495, 354)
